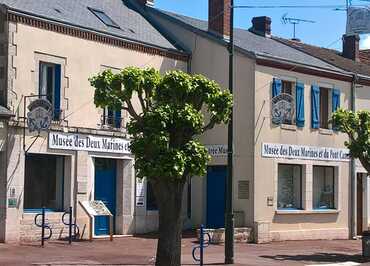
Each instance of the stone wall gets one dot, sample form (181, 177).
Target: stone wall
(29, 232)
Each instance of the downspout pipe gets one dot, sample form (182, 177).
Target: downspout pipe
(353, 167)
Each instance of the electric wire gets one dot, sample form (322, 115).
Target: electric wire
(214, 18)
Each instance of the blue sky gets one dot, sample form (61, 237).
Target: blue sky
(326, 32)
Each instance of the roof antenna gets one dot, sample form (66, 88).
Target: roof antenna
(295, 21)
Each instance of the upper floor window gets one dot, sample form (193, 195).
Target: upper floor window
(287, 87)
(288, 109)
(324, 108)
(104, 18)
(324, 102)
(112, 118)
(50, 84)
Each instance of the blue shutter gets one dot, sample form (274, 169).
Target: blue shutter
(117, 119)
(299, 99)
(276, 87)
(335, 103)
(57, 86)
(315, 106)
(335, 99)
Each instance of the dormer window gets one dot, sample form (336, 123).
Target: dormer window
(104, 18)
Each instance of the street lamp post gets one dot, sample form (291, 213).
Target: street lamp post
(229, 215)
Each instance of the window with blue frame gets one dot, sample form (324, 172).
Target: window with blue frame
(289, 187)
(323, 187)
(44, 182)
(50, 86)
(294, 112)
(151, 203)
(112, 118)
(324, 102)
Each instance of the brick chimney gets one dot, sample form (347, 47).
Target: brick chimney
(351, 47)
(146, 2)
(219, 17)
(261, 26)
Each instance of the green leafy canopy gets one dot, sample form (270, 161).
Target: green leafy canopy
(167, 117)
(357, 126)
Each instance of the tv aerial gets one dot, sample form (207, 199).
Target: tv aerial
(294, 21)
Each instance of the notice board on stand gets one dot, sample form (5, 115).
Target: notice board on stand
(97, 208)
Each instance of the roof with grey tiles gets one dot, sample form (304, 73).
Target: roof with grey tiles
(253, 43)
(332, 56)
(75, 12)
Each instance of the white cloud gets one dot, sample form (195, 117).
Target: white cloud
(365, 42)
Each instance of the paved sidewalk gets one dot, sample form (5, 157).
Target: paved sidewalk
(141, 251)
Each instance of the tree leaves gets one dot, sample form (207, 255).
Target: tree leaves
(357, 126)
(164, 129)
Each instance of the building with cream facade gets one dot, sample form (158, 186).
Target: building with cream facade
(49, 50)
(292, 178)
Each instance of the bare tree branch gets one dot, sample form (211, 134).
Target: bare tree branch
(210, 125)
(131, 111)
(143, 105)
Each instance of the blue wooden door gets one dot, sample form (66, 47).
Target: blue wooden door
(105, 190)
(216, 178)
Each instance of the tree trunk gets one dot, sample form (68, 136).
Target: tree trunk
(169, 200)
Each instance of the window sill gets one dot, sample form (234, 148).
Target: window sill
(30, 215)
(329, 211)
(325, 131)
(288, 127)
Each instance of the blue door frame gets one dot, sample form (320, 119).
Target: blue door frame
(105, 190)
(216, 178)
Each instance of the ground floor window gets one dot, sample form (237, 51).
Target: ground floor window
(151, 203)
(289, 186)
(323, 187)
(44, 182)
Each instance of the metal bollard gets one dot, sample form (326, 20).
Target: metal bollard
(201, 246)
(43, 226)
(72, 226)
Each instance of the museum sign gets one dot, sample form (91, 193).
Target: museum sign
(274, 150)
(68, 141)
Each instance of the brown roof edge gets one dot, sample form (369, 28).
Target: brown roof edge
(302, 69)
(331, 57)
(309, 71)
(95, 36)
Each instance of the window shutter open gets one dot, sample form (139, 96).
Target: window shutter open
(315, 106)
(57, 86)
(299, 104)
(276, 87)
(335, 99)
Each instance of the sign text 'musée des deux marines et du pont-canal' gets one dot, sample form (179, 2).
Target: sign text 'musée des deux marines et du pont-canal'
(67, 141)
(274, 150)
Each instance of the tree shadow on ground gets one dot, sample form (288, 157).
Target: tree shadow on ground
(320, 257)
(185, 234)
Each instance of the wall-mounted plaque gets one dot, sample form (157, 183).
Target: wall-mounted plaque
(140, 192)
(12, 198)
(40, 115)
(282, 109)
